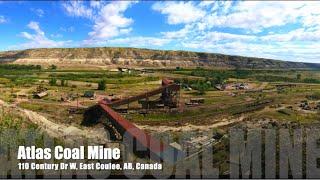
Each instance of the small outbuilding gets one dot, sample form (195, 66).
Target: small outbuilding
(123, 69)
(40, 94)
(114, 70)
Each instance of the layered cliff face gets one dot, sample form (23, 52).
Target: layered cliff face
(141, 58)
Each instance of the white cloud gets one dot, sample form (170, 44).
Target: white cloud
(77, 9)
(178, 34)
(111, 21)
(3, 19)
(286, 47)
(245, 20)
(256, 16)
(67, 29)
(137, 41)
(300, 34)
(38, 39)
(213, 40)
(96, 4)
(206, 3)
(39, 12)
(56, 35)
(281, 30)
(35, 26)
(253, 16)
(284, 51)
(221, 36)
(179, 12)
(108, 18)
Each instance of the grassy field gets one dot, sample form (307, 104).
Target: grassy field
(271, 95)
(17, 84)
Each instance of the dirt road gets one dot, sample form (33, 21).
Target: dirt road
(190, 127)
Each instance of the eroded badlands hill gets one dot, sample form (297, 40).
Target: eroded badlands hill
(141, 58)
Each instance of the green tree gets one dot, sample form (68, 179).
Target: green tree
(53, 82)
(53, 67)
(218, 80)
(201, 87)
(298, 76)
(38, 67)
(102, 84)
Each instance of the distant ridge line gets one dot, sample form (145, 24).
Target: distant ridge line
(145, 58)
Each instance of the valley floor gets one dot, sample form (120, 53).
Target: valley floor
(249, 98)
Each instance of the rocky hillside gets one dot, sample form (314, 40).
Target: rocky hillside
(141, 58)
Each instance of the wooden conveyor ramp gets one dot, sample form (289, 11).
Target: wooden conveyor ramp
(167, 85)
(155, 147)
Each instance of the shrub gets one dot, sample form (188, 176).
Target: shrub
(102, 85)
(19, 67)
(311, 80)
(53, 67)
(298, 76)
(201, 86)
(53, 82)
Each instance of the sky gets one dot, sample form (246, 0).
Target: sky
(284, 30)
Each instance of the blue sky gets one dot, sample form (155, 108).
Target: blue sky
(280, 30)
